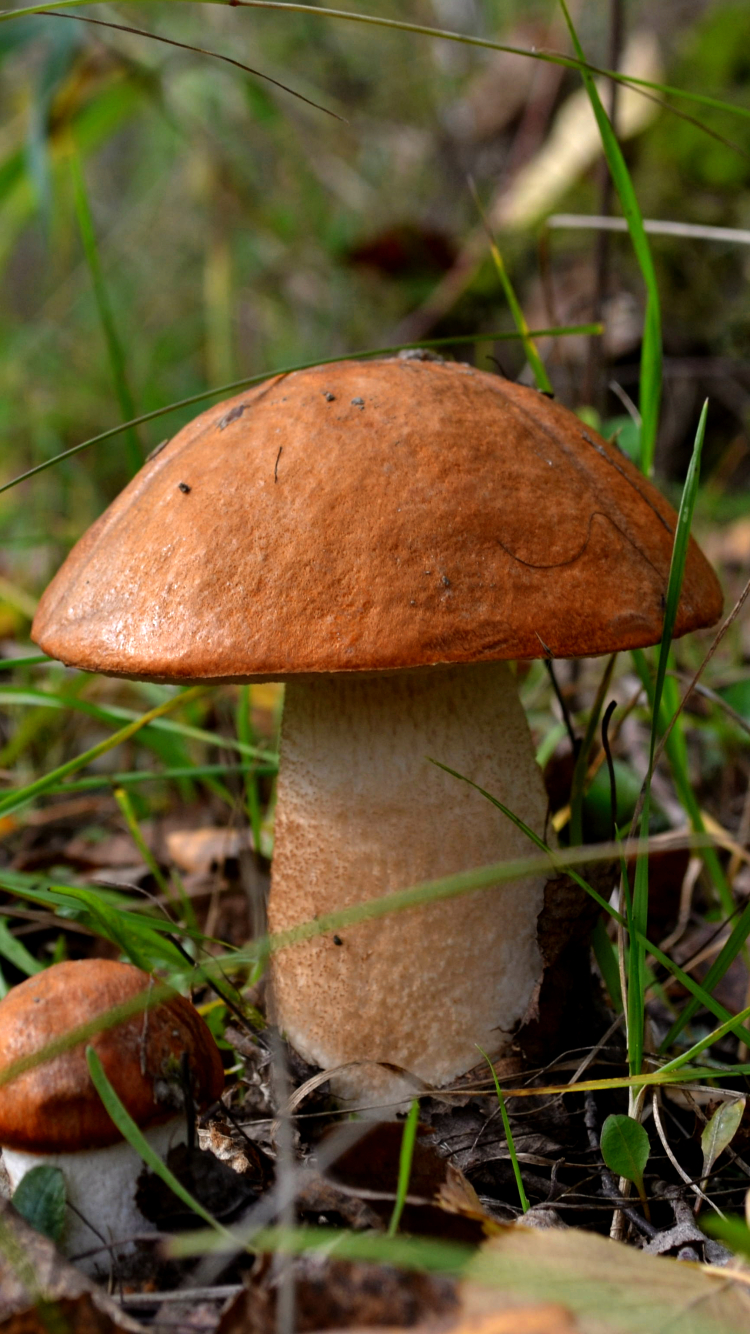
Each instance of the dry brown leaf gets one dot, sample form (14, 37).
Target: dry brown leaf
(40, 1292)
(334, 1294)
(608, 1288)
(457, 1196)
(730, 545)
(202, 850)
(545, 1319)
(440, 1201)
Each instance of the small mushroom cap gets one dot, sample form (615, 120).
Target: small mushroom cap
(54, 1107)
(370, 516)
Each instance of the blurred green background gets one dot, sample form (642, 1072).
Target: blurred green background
(239, 229)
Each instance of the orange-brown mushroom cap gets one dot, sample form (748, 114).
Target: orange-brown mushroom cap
(53, 1107)
(369, 516)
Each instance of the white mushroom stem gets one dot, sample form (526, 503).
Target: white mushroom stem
(361, 812)
(100, 1184)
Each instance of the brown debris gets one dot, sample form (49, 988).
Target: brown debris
(336, 1294)
(41, 1292)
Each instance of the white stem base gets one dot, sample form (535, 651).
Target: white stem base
(361, 812)
(101, 1185)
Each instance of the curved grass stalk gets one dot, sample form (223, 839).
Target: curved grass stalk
(250, 380)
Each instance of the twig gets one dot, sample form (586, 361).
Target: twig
(218, 1294)
(586, 1062)
(692, 230)
(689, 881)
(574, 741)
(677, 1166)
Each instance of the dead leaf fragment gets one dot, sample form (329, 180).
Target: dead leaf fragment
(40, 1291)
(457, 1196)
(204, 850)
(76, 1315)
(546, 1319)
(730, 545)
(440, 1201)
(336, 1294)
(608, 1287)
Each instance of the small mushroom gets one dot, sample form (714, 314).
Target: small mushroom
(52, 1113)
(414, 549)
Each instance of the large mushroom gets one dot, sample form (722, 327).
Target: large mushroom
(385, 537)
(156, 1059)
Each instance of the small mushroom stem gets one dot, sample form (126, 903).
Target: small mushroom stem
(361, 812)
(100, 1185)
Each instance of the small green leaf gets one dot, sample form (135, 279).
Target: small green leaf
(40, 1199)
(720, 1131)
(625, 1149)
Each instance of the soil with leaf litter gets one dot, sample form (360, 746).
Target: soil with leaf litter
(462, 1190)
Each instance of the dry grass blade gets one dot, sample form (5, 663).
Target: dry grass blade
(199, 51)
(225, 390)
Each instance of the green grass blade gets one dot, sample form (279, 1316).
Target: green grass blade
(442, 34)
(723, 961)
(16, 953)
(636, 987)
(137, 1140)
(686, 1057)
(115, 713)
(651, 350)
(252, 795)
(19, 797)
(677, 565)
(171, 887)
(132, 777)
(406, 1157)
(133, 450)
(605, 954)
(562, 864)
(202, 51)
(519, 319)
(577, 790)
(421, 1253)
(676, 751)
(148, 940)
(508, 1134)
(224, 390)
(8, 664)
